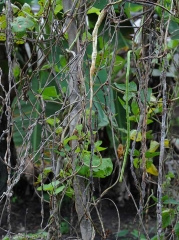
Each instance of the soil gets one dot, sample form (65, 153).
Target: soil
(26, 218)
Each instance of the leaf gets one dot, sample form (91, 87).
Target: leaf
(27, 9)
(122, 233)
(52, 121)
(16, 71)
(149, 134)
(167, 217)
(171, 201)
(176, 229)
(151, 154)
(49, 187)
(46, 66)
(134, 135)
(69, 192)
(123, 104)
(97, 146)
(20, 24)
(64, 227)
(153, 146)
(101, 168)
(173, 43)
(132, 86)
(152, 170)
(3, 22)
(137, 162)
(58, 8)
(79, 128)
(2, 36)
(15, 9)
(166, 143)
(130, 95)
(66, 140)
(135, 107)
(94, 10)
(59, 189)
(49, 93)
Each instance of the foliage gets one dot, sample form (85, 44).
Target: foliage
(57, 118)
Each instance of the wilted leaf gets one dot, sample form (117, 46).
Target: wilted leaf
(166, 143)
(134, 135)
(152, 170)
(153, 146)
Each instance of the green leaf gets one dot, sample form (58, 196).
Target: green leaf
(52, 121)
(171, 201)
(69, 192)
(66, 140)
(136, 153)
(136, 162)
(122, 233)
(20, 24)
(176, 229)
(49, 93)
(97, 146)
(27, 9)
(151, 154)
(94, 10)
(149, 134)
(132, 86)
(16, 71)
(101, 168)
(64, 227)
(59, 189)
(58, 8)
(79, 128)
(135, 107)
(134, 118)
(167, 217)
(15, 9)
(173, 43)
(49, 187)
(46, 66)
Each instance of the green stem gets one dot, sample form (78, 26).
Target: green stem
(127, 116)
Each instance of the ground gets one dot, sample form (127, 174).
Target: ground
(26, 218)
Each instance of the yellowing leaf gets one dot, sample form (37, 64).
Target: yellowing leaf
(153, 146)
(166, 143)
(135, 135)
(153, 98)
(3, 22)
(2, 36)
(152, 170)
(160, 102)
